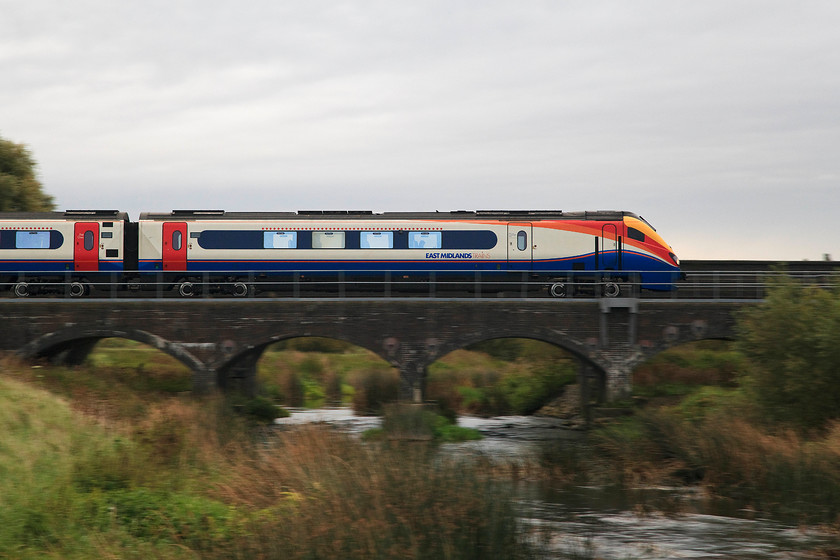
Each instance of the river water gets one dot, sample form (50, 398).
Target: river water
(594, 522)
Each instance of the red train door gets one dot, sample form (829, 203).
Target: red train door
(86, 246)
(174, 246)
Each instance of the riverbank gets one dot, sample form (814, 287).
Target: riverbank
(171, 476)
(142, 468)
(189, 479)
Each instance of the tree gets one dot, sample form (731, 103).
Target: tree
(792, 342)
(20, 190)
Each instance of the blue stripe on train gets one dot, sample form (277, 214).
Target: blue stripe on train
(51, 267)
(655, 274)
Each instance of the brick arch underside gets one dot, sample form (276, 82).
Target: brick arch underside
(72, 345)
(575, 347)
(239, 370)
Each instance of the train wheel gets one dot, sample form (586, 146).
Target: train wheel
(240, 289)
(186, 289)
(77, 289)
(21, 289)
(558, 289)
(611, 290)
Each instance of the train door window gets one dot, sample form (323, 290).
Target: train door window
(522, 240)
(89, 240)
(424, 240)
(32, 240)
(176, 240)
(376, 240)
(279, 240)
(328, 240)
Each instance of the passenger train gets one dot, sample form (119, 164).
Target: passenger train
(238, 253)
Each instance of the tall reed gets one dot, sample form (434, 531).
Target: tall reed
(189, 480)
(315, 493)
(776, 471)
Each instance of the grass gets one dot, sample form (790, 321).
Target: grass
(112, 460)
(411, 422)
(185, 478)
(679, 371)
(515, 376)
(779, 472)
(515, 381)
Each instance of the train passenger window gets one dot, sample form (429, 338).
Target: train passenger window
(176, 240)
(32, 240)
(468, 239)
(280, 240)
(376, 239)
(328, 240)
(424, 240)
(633, 233)
(107, 235)
(231, 239)
(522, 240)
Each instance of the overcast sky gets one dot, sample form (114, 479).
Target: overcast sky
(718, 121)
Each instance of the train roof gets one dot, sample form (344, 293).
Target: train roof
(75, 215)
(515, 215)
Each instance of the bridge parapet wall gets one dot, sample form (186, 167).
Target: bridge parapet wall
(222, 340)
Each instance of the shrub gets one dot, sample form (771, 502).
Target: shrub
(374, 390)
(790, 341)
(294, 393)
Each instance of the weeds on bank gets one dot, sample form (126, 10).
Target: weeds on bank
(777, 471)
(188, 479)
(409, 422)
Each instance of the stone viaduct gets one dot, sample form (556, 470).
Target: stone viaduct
(221, 340)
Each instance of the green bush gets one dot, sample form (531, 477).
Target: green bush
(410, 421)
(681, 370)
(374, 390)
(791, 342)
(294, 393)
(192, 521)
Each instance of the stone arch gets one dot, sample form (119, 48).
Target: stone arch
(590, 370)
(71, 346)
(575, 347)
(238, 371)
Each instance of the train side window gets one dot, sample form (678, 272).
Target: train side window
(376, 240)
(32, 240)
(633, 233)
(176, 240)
(328, 240)
(280, 240)
(521, 240)
(424, 240)
(468, 239)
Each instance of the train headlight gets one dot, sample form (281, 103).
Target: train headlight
(674, 258)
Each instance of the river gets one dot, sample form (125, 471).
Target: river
(596, 522)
